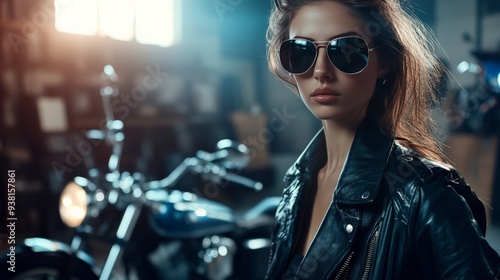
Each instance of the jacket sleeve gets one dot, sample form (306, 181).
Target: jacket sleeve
(449, 231)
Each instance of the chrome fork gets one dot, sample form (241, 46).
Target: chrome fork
(123, 234)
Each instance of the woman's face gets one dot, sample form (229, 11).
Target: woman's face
(327, 92)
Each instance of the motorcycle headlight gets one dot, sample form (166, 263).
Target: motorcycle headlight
(80, 199)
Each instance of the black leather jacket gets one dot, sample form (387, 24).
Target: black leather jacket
(394, 216)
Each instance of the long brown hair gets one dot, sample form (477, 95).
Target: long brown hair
(401, 105)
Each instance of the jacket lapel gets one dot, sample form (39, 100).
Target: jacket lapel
(365, 166)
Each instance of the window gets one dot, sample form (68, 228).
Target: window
(147, 21)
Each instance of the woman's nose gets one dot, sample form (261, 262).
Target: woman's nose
(323, 68)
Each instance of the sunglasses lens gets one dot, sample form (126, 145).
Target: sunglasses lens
(349, 54)
(297, 56)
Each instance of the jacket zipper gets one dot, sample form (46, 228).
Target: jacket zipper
(369, 255)
(344, 270)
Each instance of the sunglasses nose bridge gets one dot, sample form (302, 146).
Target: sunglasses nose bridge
(320, 44)
(322, 62)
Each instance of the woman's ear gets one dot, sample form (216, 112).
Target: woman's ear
(383, 70)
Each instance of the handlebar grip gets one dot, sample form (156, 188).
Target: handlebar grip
(243, 181)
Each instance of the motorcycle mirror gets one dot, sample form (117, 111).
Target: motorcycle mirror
(235, 155)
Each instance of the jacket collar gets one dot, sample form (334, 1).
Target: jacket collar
(364, 168)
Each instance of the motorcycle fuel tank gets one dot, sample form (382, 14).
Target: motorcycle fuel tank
(180, 214)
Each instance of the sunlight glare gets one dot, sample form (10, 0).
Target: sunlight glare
(117, 19)
(148, 21)
(155, 22)
(77, 16)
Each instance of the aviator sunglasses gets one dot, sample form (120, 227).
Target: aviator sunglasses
(348, 54)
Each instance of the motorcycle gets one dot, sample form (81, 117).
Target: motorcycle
(475, 109)
(153, 229)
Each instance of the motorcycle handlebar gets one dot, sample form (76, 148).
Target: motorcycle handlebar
(235, 178)
(203, 167)
(171, 179)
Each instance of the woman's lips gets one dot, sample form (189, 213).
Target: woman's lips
(325, 98)
(324, 95)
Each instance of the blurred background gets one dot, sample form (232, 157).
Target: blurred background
(192, 72)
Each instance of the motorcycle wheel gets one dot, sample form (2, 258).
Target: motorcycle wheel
(48, 266)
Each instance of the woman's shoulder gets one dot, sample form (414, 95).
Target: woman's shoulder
(409, 171)
(408, 161)
(428, 175)
(437, 181)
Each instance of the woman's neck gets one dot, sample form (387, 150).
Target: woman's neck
(339, 138)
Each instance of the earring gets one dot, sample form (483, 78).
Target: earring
(384, 81)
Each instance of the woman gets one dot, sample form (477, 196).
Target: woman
(372, 196)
